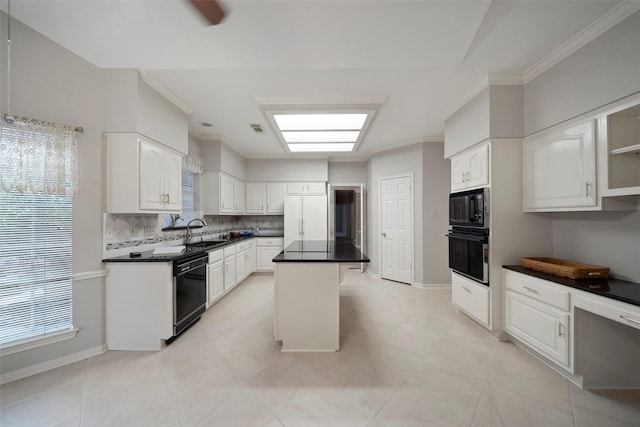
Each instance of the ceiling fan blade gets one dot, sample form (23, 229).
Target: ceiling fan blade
(210, 9)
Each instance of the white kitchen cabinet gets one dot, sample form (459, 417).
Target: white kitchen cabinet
(241, 262)
(215, 277)
(619, 132)
(275, 198)
(142, 176)
(223, 194)
(303, 188)
(560, 168)
(267, 249)
(470, 297)
(470, 168)
(229, 268)
(251, 256)
(256, 198)
(239, 197)
(305, 218)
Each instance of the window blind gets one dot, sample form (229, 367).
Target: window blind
(35, 231)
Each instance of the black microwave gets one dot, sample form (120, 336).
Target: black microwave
(469, 208)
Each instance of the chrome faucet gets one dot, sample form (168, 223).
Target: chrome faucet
(187, 234)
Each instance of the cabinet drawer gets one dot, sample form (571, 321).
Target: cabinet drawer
(555, 295)
(251, 244)
(271, 241)
(471, 297)
(622, 312)
(215, 256)
(240, 246)
(229, 250)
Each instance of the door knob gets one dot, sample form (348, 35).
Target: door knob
(384, 234)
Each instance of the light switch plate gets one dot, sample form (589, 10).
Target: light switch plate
(148, 231)
(133, 231)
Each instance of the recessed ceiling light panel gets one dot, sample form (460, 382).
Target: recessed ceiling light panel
(321, 136)
(306, 121)
(310, 148)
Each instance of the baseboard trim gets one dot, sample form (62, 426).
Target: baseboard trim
(51, 364)
(86, 275)
(430, 285)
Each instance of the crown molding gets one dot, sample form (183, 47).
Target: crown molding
(603, 24)
(159, 87)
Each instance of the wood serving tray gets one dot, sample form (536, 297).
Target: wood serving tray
(565, 268)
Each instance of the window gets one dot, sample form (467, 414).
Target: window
(37, 183)
(190, 195)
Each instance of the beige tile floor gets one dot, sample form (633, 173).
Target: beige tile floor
(407, 359)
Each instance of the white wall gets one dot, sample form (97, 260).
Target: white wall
(287, 170)
(232, 162)
(347, 172)
(467, 126)
(605, 70)
(51, 83)
(436, 187)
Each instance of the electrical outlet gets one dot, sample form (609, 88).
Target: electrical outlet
(133, 231)
(109, 233)
(148, 231)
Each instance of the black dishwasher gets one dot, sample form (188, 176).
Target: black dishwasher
(189, 291)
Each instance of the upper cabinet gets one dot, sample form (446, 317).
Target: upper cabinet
(275, 198)
(256, 198)
(620, 137)
(223, 194)
(142, 176)
(302, 188)
(560, 168)
(470, 168)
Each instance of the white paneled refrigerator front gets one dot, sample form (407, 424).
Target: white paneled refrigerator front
(305, 218)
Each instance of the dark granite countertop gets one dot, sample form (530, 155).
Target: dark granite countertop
(321, 251)
(196, 248)
(620, 290)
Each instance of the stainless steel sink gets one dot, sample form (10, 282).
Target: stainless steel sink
(205, 244)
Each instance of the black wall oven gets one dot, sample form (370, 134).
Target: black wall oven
(189, 291)
(469, 253)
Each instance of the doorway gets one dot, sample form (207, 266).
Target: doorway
(346, 215)
(396, 227)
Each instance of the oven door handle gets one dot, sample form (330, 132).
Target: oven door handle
(471, 237)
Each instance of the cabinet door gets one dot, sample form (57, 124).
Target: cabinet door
(544, 328)
(458, 172)
(151, 177)
(172, 181)
(256, 197)
(251, 257)
(478, 167)
(226, 194)
(316, 188)
(215, 282)
(241, 266)
(265, 255)
(229, 273)
(239, 196)
(559, 168)
(296, 188)
(275, 198)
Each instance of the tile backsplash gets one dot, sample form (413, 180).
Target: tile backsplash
(126, 232)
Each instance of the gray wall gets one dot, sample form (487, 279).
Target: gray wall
(435, 219)
(287, 170)
(51, 83)
(469, 125)
(603, 71)
(347, 172)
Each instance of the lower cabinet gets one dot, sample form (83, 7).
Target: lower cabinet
(241, 262)
(268, 248)
(215, 277)
(471, 297)
(538, 314)
(251, 256)
(229, 268)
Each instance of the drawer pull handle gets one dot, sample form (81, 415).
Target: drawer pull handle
(466, 289)
(629, 319)
(535, 291)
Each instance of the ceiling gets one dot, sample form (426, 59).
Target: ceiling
(421, 58)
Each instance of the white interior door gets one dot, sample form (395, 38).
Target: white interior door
(396, 228)
(332, 212)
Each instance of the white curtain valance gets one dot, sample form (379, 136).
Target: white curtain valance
(193, 163)
(38, 157)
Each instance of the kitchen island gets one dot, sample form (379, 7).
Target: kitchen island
(307, 293)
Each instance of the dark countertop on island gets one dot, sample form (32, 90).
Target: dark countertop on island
(613, 288)
(321, 251)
